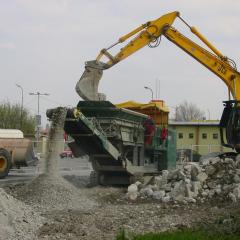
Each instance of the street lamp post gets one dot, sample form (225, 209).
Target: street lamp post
(38, 94)
(150, 90)
(21, 117)
(208, 114)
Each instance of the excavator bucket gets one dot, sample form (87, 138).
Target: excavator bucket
(87, 86)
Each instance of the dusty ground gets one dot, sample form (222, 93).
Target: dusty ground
(105, 221)
(114, 211)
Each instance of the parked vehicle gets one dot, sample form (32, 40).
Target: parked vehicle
(15, 151)
(66, 153)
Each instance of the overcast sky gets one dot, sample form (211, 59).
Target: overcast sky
(44, 44)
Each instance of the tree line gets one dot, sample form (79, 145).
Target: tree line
(12, 116)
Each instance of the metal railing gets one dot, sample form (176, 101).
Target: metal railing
(191, 153)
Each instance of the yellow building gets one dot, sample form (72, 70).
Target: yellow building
(201, 136)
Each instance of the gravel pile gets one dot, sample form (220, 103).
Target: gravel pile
(17, 221)
(212, 177)
(46, 193)
(49, 191)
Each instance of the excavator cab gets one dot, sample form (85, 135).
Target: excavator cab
(230, 123)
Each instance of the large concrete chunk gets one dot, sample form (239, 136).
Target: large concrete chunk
(195, 182)
(132, 192)
(87, 86)
(202, 177)
(179, 191)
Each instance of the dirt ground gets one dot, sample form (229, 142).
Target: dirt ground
(115, 212)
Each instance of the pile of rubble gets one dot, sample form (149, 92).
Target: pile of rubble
(212, 177)
(17, 220)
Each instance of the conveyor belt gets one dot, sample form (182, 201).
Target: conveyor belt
(88, 139)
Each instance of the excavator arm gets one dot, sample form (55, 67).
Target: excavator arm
(150, 34)
(218, 64)
(147, 34)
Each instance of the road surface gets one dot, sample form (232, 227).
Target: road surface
(67, 166)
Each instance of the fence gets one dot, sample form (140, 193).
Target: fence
(40, 147)
(184, 152)
(193, 153)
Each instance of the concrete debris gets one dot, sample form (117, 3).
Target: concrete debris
(178, 191)
(147, 191)
(236, 192)
(238, 162)
(202, 177)
(232, 197)
(159, 195)
(132, 193)
(211, 177)
(166, 199)
(210, 170)
(236, 178)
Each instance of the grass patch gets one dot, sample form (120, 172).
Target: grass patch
(226, 227)
(178, 235)
(184, 235)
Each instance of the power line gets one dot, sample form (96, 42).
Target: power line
(53, 101)
(56, 102)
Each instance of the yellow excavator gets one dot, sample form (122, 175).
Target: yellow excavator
(150, 34)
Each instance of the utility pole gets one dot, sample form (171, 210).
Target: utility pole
(150, 90)
(38, 117)
(21, 117)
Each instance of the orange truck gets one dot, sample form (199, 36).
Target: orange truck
(15, 151)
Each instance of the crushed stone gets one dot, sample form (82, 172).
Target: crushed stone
(135, 217)
(17, 220)
(47, 193)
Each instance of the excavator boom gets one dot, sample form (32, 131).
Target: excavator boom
(150, 34)
(219, 65)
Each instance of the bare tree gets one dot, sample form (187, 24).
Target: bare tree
(188, 112)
